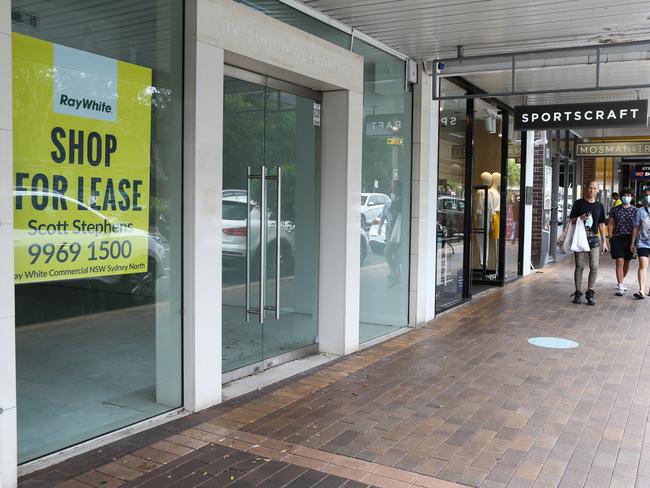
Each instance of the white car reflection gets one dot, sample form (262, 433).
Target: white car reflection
(234, 230)
(371, 206)
(377, 240)
(139, 284)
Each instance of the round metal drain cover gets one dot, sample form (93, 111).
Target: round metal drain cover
(553, 342)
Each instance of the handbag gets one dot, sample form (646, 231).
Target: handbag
(580, 243)
(566, 238)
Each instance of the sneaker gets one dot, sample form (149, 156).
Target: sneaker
(639, 295)
(620, 284)
(576, 296)
(590, 296)
(620, 290)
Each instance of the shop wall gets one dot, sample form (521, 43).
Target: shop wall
(588, 171)
(537, 222)
(424, 187)
(487, 152)
(7, 341)
(528, 213)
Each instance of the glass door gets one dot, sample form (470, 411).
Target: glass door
(452, 176)
(270, 220)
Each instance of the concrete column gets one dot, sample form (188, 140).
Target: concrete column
(424, 179)
(340, 204)
(528, 211)
(203, 165)
(8, 435)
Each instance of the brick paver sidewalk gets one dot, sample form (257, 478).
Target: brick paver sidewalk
(466, 400)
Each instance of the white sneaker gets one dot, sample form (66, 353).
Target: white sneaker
(620, 290)
(624, 287)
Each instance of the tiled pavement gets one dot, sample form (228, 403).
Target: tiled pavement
(466, 400)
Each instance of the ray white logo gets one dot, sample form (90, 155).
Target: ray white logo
(85, 84)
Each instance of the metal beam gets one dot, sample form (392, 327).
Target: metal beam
(509, 54)
(541, 92)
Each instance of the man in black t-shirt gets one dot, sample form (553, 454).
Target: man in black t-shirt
(592, 214)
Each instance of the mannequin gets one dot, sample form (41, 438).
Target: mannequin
(479, 209)
(479, 197)
(494, 208)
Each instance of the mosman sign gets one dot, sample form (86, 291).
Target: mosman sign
(601, 115)
(635, 148)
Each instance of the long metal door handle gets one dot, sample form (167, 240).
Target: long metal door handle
(248, 243)
(262, 243)
(278, 223)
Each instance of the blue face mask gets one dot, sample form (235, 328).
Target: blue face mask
(626, 200)
(647, 199)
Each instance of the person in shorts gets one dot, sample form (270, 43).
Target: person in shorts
(592, 213)
(621, 224)
(641, 243)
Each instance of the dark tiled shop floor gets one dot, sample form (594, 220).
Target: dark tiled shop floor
(467, 400)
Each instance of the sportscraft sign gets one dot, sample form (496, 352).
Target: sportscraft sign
(632, 113)
(82, 127)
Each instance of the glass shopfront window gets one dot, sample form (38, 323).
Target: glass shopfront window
(513, 209)
(97, 159)
(452, 167)
(385, 194)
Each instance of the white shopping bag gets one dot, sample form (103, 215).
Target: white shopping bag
(579, 243)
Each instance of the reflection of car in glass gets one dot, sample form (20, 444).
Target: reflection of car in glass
(371, 207)
(234, 234)
(451, 216)
(234, 231)
(140, 284)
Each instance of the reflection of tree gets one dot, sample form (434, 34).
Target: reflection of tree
(253, 138)
(514, 173)
(377, 164)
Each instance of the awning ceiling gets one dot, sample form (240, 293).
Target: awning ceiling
(427, 30)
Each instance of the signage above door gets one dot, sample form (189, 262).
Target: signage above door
(601, 115)
(634, 148)
(383, 125)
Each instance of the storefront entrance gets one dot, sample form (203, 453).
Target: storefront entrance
(479, 213)
(270, 222)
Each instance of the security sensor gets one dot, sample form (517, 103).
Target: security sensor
(490, 124)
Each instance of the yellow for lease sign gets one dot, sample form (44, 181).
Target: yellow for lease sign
(82, 131)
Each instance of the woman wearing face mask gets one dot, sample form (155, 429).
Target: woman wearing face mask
(621, 225)
(641, 242)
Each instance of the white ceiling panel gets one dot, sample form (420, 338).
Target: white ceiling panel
(429, 29)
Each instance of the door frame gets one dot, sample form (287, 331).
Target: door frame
(276, 84)
(219, 33)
